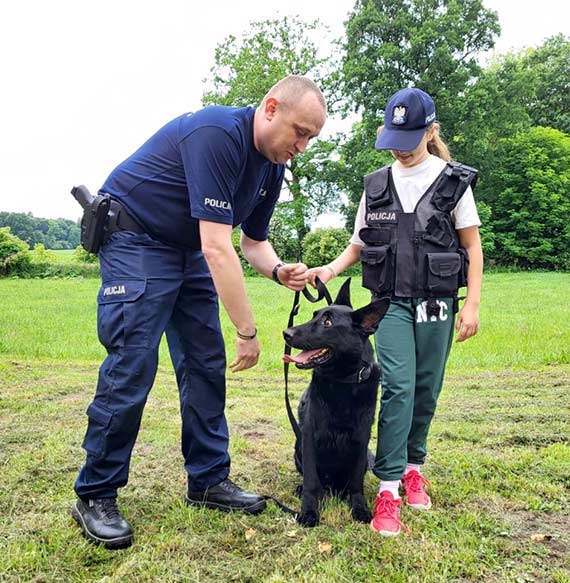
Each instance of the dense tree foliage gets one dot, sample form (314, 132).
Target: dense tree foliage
(52, 233)
(550, 64)
(531, 200)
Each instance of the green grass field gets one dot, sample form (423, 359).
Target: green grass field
(65, 255)
(499, 455)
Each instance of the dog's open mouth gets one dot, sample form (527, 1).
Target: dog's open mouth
(310, 358)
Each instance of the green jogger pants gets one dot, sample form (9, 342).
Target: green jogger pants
(412, 350)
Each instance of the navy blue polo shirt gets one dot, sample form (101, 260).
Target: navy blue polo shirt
(200, 165)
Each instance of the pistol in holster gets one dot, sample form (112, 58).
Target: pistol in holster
(95, 213)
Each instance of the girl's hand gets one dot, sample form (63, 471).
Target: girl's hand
(323, 273)
(467, 323)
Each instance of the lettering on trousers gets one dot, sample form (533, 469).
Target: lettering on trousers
(219, 204)
(386, 216)
(114, 290)
(421, 312)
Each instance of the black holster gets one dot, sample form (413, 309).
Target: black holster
(102, 216)
(95, 212)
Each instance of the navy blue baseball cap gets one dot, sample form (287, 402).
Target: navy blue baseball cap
(407, 116)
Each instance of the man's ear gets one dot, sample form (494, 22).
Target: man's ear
(343, 296)
(369, 316)
(270, 108)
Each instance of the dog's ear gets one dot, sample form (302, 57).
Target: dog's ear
(369, 316)
(343, 296)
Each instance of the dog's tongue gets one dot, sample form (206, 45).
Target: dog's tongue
(301, 357)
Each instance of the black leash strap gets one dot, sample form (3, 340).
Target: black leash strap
(281, 505)
(322, 292)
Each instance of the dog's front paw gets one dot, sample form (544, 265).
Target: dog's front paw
(361, 514)
(308, 519)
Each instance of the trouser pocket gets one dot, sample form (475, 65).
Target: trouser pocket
(377, 268)
(121, 315)
(97, 429)
(443, 273)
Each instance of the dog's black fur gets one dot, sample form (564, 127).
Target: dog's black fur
(337, 409)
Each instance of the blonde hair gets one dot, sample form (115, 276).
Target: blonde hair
(435, 145)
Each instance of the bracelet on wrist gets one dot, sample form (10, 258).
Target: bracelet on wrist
(247, 336)
(331, 270)
(274, 275)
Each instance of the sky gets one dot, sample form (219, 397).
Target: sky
(84, 84)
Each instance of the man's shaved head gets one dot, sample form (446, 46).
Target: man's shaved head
(292, 89)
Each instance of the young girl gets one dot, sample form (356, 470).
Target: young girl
(417, 235)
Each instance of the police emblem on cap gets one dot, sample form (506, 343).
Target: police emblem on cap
(399, 115)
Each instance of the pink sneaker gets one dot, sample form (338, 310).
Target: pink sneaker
(414, 487)
(386, 519)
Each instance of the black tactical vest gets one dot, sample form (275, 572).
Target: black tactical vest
(411, 255)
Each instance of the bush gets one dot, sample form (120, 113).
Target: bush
(531, 205)
(57, 271)
(14, 253)
(41, 255)
(82, 256)
(323, 245)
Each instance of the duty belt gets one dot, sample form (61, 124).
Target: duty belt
(102, 216)
(120, 220)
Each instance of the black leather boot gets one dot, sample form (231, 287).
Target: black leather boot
(227, 496)
(102, 523)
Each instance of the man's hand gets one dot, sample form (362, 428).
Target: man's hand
(247, 354)
(293, 276)
(323, 273)
(467, 323)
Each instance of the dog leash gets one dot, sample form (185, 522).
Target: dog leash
(322, 292)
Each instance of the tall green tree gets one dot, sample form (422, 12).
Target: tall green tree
(392, 44)
(246, 68)
(431, 44)
(550, 63)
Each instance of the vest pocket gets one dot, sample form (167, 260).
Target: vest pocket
(464, 268)
(377, 268)
(443, 273)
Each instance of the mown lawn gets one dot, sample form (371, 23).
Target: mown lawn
(499, 455)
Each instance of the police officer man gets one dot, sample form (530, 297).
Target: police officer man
(180, 194)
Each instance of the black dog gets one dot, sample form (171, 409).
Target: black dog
(337, 409)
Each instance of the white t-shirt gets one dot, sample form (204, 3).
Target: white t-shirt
(411, 184)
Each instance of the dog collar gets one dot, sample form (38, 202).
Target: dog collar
(363, 374)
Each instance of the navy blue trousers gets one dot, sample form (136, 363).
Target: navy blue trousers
(149, 288)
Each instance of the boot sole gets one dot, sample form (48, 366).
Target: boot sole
(253, 509)
(120, 542)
